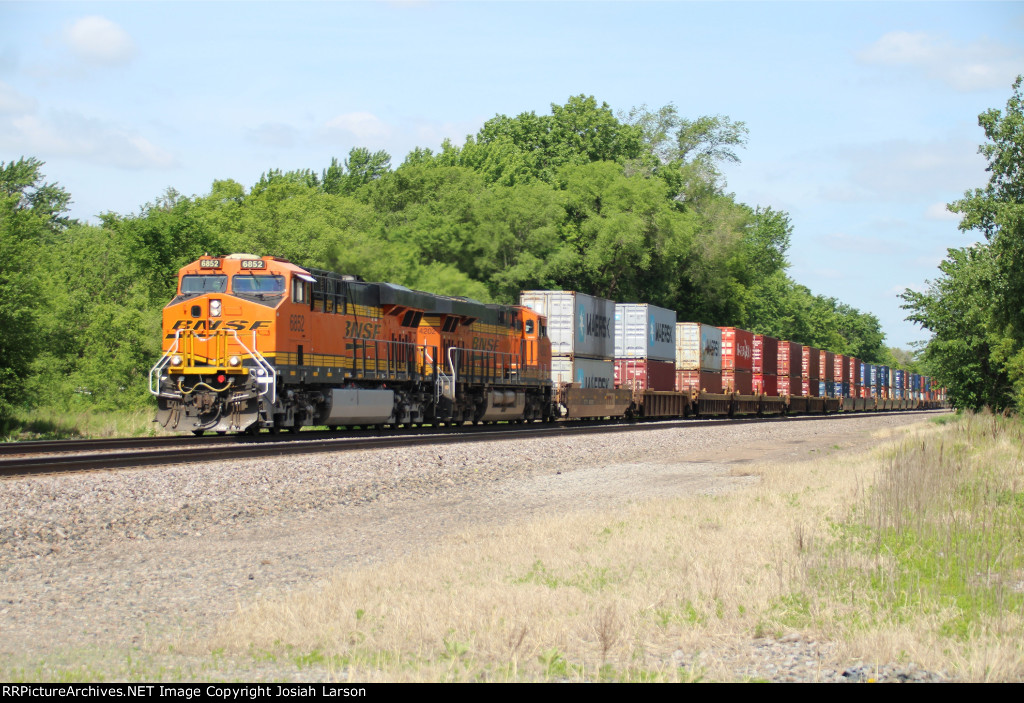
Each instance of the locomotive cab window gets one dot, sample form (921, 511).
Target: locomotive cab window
(203, 283)
(258, 286)
(300, 291)
(529, 327)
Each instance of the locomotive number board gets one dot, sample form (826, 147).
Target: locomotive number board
(254, 264)
(209, 264)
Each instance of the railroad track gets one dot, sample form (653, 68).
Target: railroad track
(62, 456)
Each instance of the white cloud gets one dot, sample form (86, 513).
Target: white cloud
(363, 126)
(98, 41)
(74, 136)
(980, 65)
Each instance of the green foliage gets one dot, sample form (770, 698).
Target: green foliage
(31, 216)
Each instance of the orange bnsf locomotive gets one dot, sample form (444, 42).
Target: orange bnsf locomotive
(258, 342)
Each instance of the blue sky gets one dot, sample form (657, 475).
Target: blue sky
(862, 116)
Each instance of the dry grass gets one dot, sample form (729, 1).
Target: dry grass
(814, 548)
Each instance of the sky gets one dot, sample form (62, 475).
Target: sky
(862, 116)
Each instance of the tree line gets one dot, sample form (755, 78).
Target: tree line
(629, 206)
(975, 307)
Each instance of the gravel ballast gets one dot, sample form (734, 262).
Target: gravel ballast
(132, 557)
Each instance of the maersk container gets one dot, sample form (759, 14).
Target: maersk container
(698, 347)
(644, 331)
(766, 355)
(579, 325)
(706, 381)
(737, 349)
(645, 374)
(585, 373)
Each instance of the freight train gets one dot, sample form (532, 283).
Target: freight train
(254, 343)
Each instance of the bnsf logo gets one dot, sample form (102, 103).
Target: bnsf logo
(485, 344)
(362, 330)
(202, 326)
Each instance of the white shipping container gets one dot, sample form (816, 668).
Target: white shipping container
(578, 324)
(643, 331)
(698, 347)
(585, 373)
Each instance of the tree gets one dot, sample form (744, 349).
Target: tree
(31, 215)
(983, 286)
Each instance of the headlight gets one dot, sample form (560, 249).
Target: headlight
(234, 361)
(214, 308)
(175, 360)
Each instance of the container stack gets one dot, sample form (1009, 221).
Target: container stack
(645, 347)
(826, 366)
(853, 377)
(790, 365)
(582, 332)
(810, 375)
(698, 357)
(737, 361)
(841, 372)
(882, 386)
(766, 365)
(897, 391)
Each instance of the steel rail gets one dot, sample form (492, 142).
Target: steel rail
(276, 446)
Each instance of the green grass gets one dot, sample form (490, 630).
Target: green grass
(941, 534)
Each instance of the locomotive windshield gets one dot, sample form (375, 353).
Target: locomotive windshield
(257, 284)
(204, 283)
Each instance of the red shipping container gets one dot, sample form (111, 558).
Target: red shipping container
(826, 366)
(737, 349)
(767, 384)
(707, 381)
(810, 360)
(841, 368)
(854, 374)
(790, 359)
(791, 385)
(741, 382)
(766, 354)
(805, 387)
(644, 374)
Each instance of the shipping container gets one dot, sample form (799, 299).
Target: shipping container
(766, 355)
(841, 366)
(645, 374)
(768, 384)
(899, 382)
(737, 349)
(826, 365)
(805, 387)
(579, 325)
(698, 347)
(790, 385)
(790, 359)
(585, 373)
(810, 361)
(822, 392)
(706, 381)
(645, 331)
(737, 381)
(854, 376)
